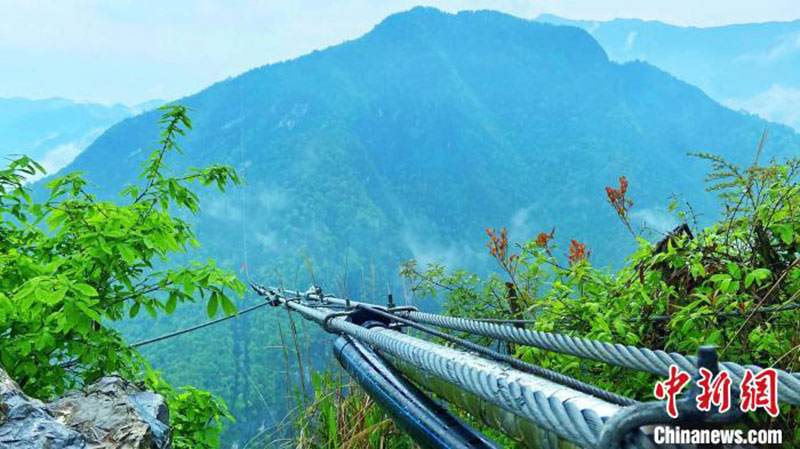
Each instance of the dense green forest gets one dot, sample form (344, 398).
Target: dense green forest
(732, 285)
(406, 144)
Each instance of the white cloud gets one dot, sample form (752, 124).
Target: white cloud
(222, 207)
(778, 103)
(630, 40)
(787, 45)
(273, 200)
(429, 250)
(57, 158)
(521, 227)
(654, 219)
(267, 240)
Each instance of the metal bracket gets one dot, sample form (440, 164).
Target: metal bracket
(269, 294)
(402, 309)
(363, 315)
(389, 300)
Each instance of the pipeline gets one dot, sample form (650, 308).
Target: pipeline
(528, 434)
(427, 422)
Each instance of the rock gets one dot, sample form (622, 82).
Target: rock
(111, 413)
(25, 423)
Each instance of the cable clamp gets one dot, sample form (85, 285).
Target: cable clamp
(269, 294)
(327, 320)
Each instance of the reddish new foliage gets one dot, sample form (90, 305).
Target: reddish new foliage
(619, 202)
(543, 238)
(498, 245)
(577, 252)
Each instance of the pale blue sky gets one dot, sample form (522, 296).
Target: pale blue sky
(135, 50)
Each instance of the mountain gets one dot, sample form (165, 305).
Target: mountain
(409, 142)
(750, 66)
(55, 130)
(148, 105)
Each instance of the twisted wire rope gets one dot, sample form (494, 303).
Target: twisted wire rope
(529, 368)
(570, 414)
(642, 359)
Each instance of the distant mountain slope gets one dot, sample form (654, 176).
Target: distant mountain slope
(409, 142)
(55, 130)
(754, 66)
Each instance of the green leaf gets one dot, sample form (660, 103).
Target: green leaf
(54, 297)
(227, 306)
(212, 305)
(787, 234)
(748, 280)
(734, 270)
(721, 277)
(723, 286)
(91, 313)
(85, 289)
(127, 253)
(698, 270)
(134, 310)
(172, 302)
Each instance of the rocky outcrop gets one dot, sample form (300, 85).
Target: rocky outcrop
(111, 413)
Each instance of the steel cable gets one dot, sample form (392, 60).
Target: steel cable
(512, 361)
(570, 414)
(642, 359)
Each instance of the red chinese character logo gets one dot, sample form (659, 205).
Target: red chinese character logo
(759, 391)
(670, 388)
(716, 391)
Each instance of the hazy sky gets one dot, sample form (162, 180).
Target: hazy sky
(135, 50)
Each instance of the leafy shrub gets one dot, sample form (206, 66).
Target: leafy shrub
(71, 264)
(690, 289)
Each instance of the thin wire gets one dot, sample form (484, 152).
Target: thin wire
(73, 362)
(242, 187)
(199, 326)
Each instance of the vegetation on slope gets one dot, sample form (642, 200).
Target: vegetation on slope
(71, 265)
(692, 288)
(407, 143)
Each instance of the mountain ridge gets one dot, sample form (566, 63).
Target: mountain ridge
(744, 66)
(552, 18)
(55, 130)
(409, 142)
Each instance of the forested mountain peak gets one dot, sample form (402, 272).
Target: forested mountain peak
(408, 143)
(432, 112)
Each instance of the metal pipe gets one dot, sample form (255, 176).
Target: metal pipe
(427, 422)
(517, 428)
